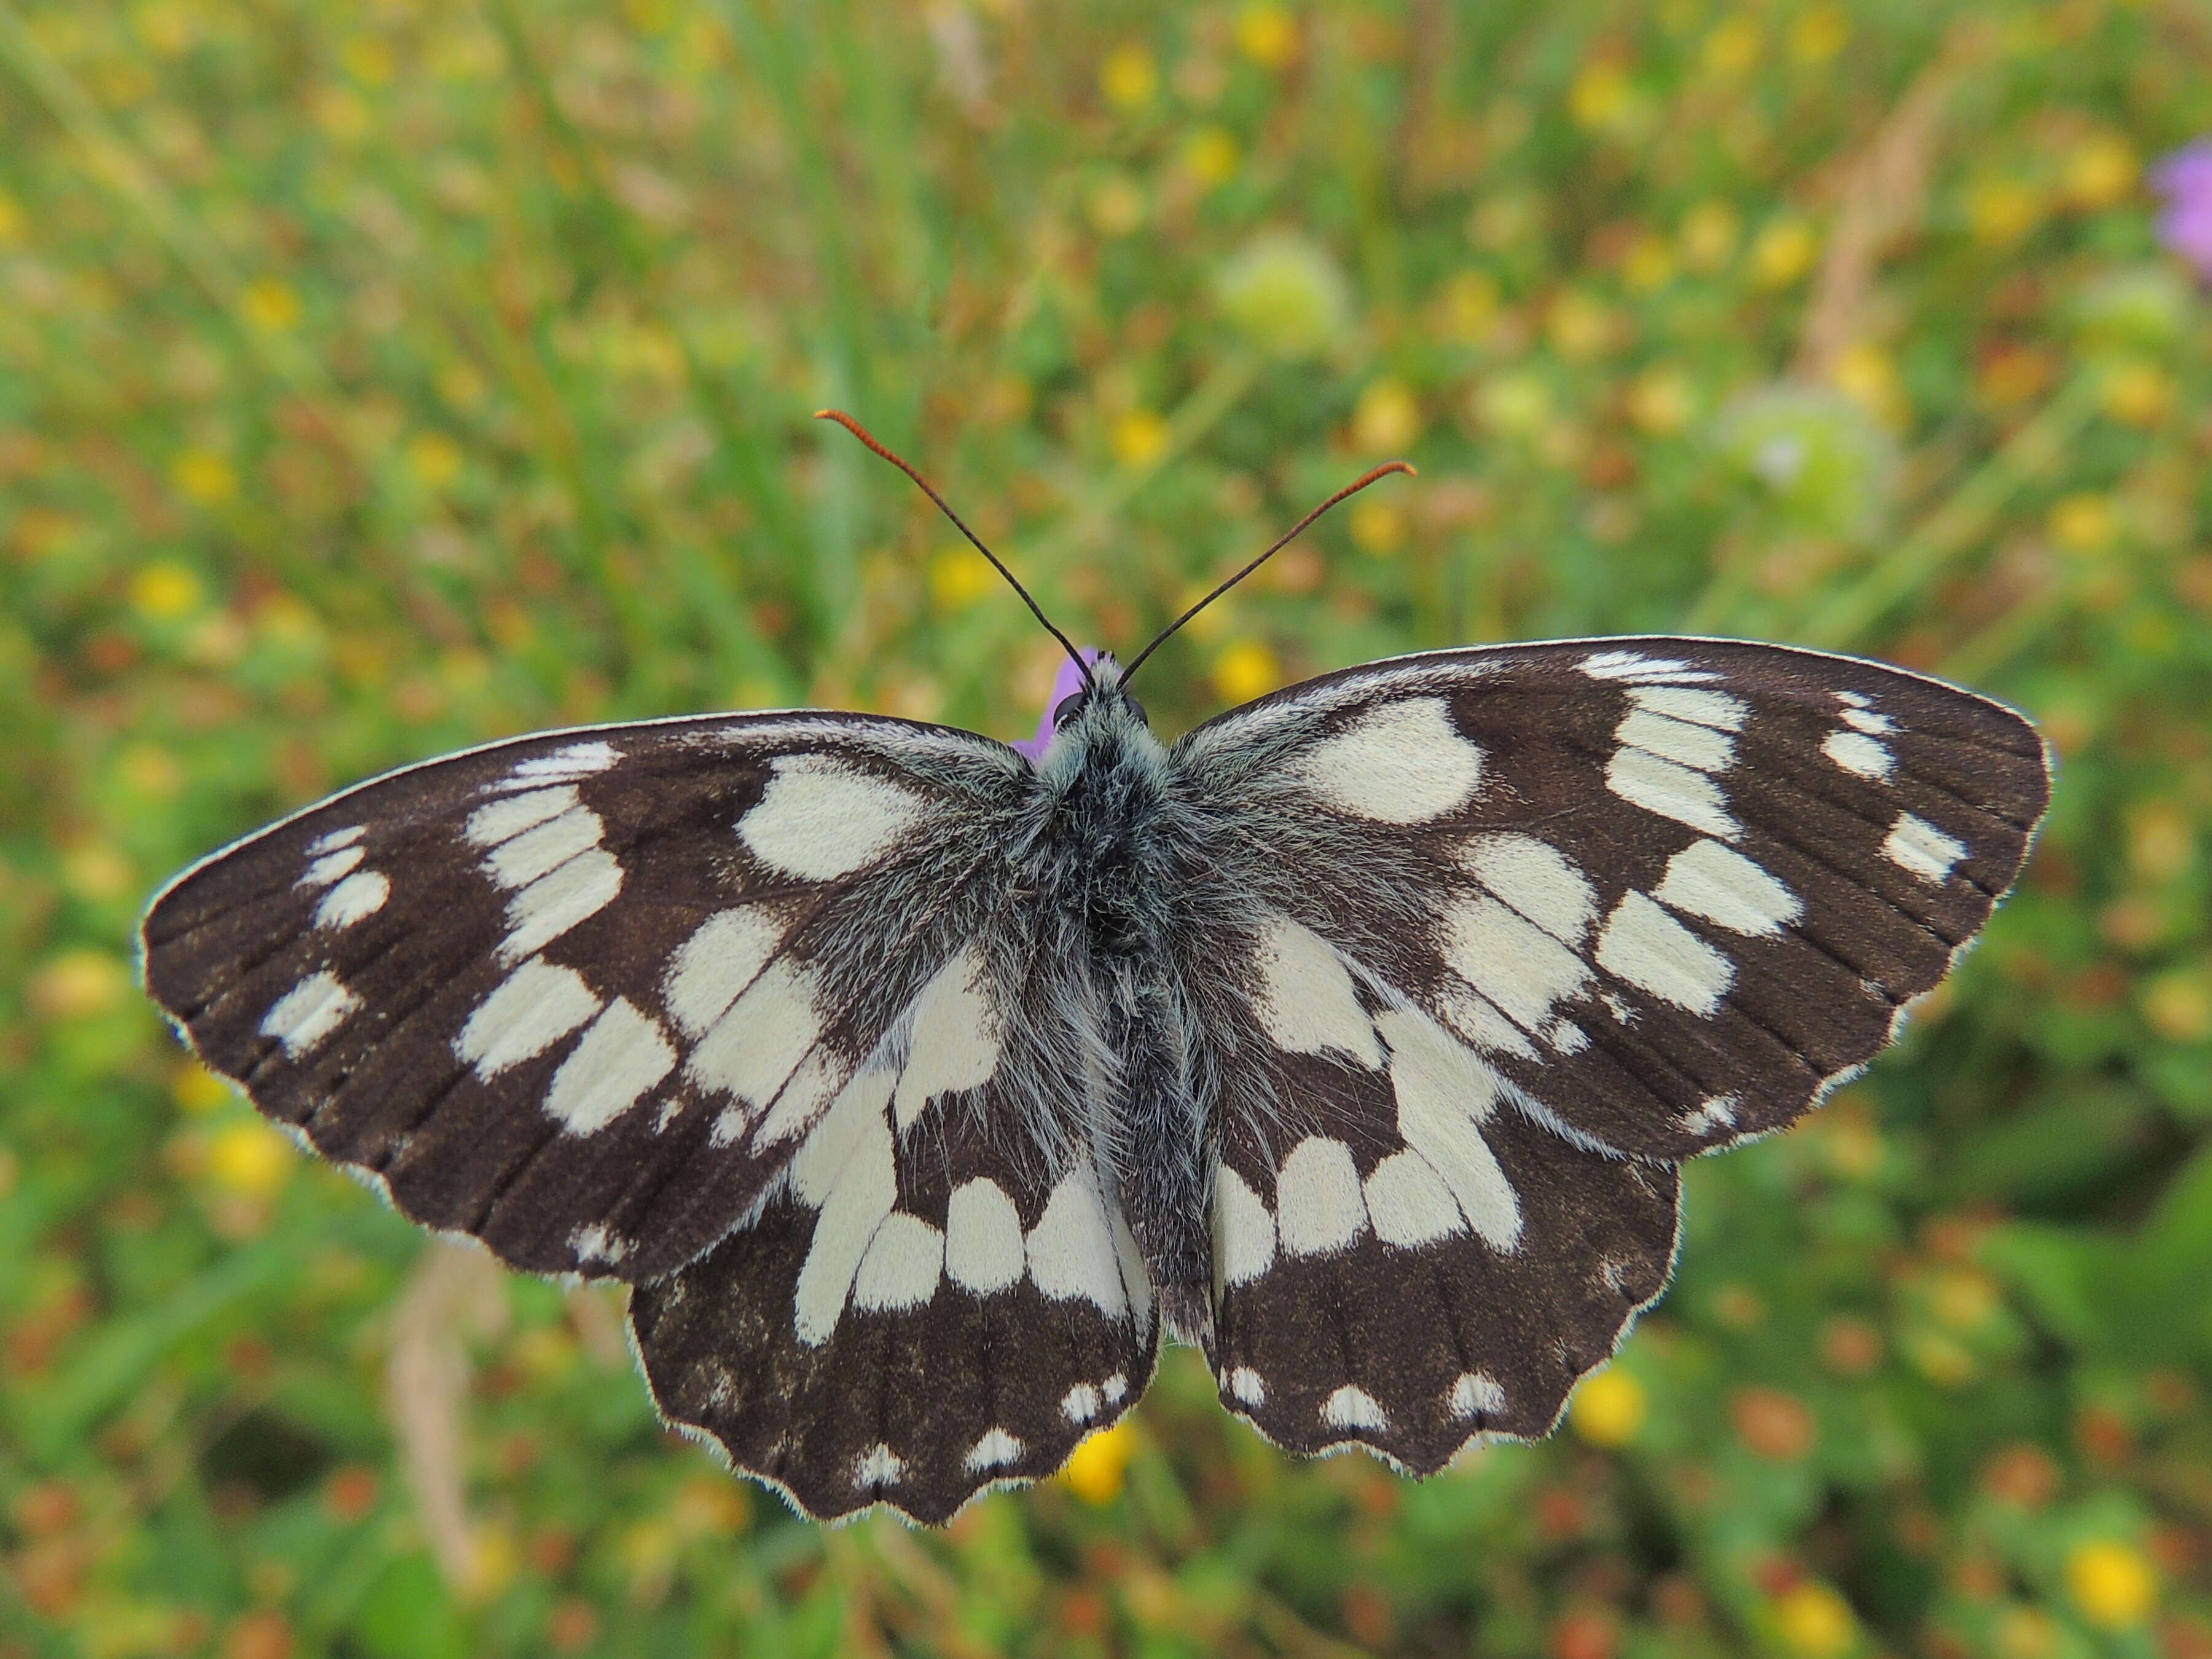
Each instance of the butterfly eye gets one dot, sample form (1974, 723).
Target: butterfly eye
(1064, 710)
(1138, 707)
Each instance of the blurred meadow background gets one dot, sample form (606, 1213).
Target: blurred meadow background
(377, 377)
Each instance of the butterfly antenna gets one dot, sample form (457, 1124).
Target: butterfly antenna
(869, 438)
(1288, 537)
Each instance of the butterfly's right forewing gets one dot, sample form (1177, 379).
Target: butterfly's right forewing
(581, 995)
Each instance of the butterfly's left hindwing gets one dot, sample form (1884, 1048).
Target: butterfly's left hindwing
(581, 995)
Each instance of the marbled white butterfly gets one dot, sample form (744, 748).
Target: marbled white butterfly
(918, 1086)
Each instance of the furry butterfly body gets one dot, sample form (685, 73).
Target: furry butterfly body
(919, 1087)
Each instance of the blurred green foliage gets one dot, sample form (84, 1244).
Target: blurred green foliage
(377, 377)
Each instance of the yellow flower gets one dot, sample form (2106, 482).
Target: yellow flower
(2100, 172)
(1820, 35)
(1610, 1408)
(958, 576)
(203, 476)
(1517, 405)
(1662, 401)
(166, 591)
(1579, 327)
(2137, 393)
(1649, 263)
(2161, 840)
(434, 458)
(270, 306)
(1867, 376)
(2179, 1005)
(250, 1159)
(1709, 235)
(94, 870)
(1731, 48)
(11, 221)
(1267, 34)
(1378, 527)
(1246, 669)
(1210, 155)
(1470, 306)
(343, 113)
(368, 60)
(2002, 211)
(1116, 205)
(79, 984)
(2112, 1584)
(1139, 437)
(1094, 1471)
(1129, 77)
(1816, 1621)
(1782, 252)
(1386, 418)
(1964, 1299)
(2026, 1633)
(1602, 96)
(198, 1091)
(2083, 523)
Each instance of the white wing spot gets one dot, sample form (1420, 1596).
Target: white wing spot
(1535, 878)
(1248, 1386)
(1860, 755)
(335, 839)
(1243, 1230)
(844, 1169)
(994, 1450)
(1410, 1203)
(1714, 708)
(820, 818)
(983, 1248)
(307, 1014)
(624, 1054)
(1306, 1002)
(903, 1263)
(1522, 970)
(578, 760)
(712, 969)
(1352, 1407)
(1721, 884)
(1114, 1388)
(329, 868)
(529, 1011)
(1714, 1114)
(542, 850)
(1398, 763)
(1687, 744)
(878, 1465)
(554, 904)
(955, 1038)
(1444, 1094)
(1080, 1404)
(752, 1050)
(1918, 846)
(1477, 1394)
(509, 816)
(1070, 1249)
(1630, 666)
(1318, 1201)
(1867, 720)
(1673, 791)
(596, 1243)
(1647, 947)
(359, 897)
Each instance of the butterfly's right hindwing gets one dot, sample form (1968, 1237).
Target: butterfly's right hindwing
(581, 995)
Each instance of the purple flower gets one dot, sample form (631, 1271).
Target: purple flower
(1065, 684)
(2185, 179)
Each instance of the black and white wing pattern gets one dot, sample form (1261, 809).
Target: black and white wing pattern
(656, 1002)
(1529, 926)
(963, 1316)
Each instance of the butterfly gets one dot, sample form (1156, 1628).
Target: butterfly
(920, 1085)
